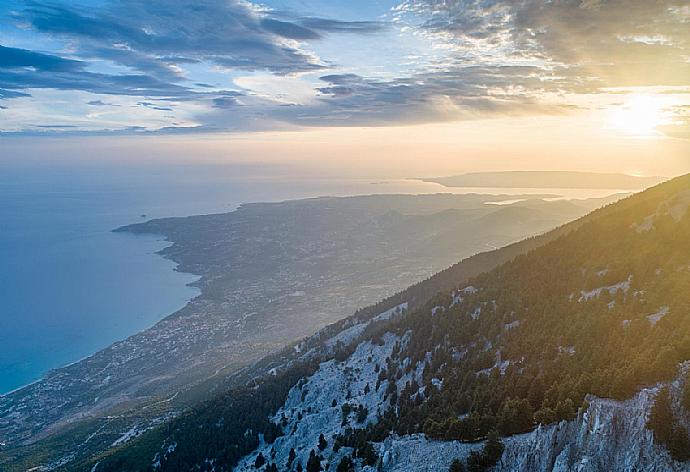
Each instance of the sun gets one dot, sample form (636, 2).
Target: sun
(639, 115)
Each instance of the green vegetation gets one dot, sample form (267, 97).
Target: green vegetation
(565, 346)
(490, 455)
(346, 465)
(314, 462)
(603, 310)
(667, 430)
(226, 429)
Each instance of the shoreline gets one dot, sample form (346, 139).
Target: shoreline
(166, 243)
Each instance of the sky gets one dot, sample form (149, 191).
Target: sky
(372, 87)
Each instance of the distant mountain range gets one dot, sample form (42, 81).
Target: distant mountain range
(547, 179)
(569, 351)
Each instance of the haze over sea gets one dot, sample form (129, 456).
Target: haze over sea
(70, 286)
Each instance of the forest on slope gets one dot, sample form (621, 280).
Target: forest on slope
(601, 309)
(271, 274)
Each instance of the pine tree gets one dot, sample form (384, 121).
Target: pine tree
(679, 444)
(493, 449)
(456, 466)
(260, 461)
(314, 462)
(545, 416)
(323, 444)
(345, 465)
(661, 418)
(368, 454)
(476, 462)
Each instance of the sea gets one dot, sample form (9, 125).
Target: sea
(70, 286)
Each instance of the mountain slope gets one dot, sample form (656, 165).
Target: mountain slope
(600, 309)
(270, 274)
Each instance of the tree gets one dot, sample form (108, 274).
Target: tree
(565, 410)
(314, 462)
(490, 455)
(666, 430)
(661, 417)
(291, 457)
(456, 466)
(260, 461)
(323, 444)
(475, 462)
(516, 416)
(493, 449)
(362, 413)
(545, 416)
(368, 454)
(679, 444)
(346, 465)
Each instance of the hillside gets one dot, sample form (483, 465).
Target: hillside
(600, 312)
(566, 352)
(271, 274)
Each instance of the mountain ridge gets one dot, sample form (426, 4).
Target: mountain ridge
(403, 371)
(266, 261)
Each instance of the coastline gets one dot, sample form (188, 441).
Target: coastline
(159, 253)
(248, 313)
(148, 229)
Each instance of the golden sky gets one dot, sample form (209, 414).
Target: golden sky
(388, 88)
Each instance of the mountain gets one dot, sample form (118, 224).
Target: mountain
(547, 179)
(572, 354)
(270, 274)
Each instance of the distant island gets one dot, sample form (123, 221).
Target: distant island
(547, 179)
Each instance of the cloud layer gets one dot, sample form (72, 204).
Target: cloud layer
(479, 58)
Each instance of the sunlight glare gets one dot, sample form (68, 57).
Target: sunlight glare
(639, 116)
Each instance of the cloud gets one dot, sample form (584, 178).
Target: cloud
(99, 103)
(336, 26)
(225, 102)
(679, 131)
(455, 93)
(153, 106)
(21, 69)
(4, 94)
(593, 43)
(288, 30)
(145, 48)
(13, 58)
(679, 127)
(481, 58)
(153, 36)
